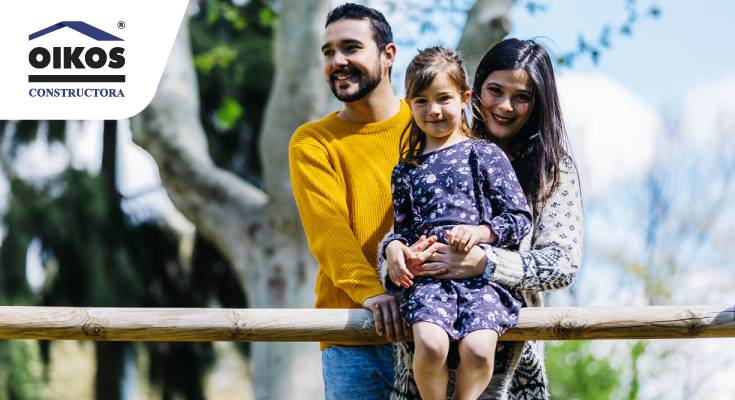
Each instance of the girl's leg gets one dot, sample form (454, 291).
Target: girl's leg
(476, 358)
(430, 360)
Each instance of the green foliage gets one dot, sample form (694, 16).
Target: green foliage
(220, 56)
(221, 10)
(575, 373)
(267, 18)
(228, 114)
(637, 350)
(79, 232)
(18, 380)
(233, 55)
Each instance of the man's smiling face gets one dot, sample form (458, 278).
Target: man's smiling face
(352, 61)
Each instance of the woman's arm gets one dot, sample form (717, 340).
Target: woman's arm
(556, 245)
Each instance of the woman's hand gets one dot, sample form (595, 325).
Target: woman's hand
(447, 263)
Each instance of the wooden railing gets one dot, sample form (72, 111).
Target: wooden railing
(303, 325)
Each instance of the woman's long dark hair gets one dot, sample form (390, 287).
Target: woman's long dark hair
(422, 70)
(537, 149)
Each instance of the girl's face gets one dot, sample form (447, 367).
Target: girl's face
(507, 101)
(437, 110)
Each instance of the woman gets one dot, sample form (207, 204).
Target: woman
(515, 105)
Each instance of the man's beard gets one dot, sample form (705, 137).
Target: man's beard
(366, 83)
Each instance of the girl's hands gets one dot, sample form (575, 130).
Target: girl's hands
(396, 254)
(464, 237)
(400, 258)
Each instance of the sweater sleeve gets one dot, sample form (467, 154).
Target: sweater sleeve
(556, 245)
(322, 202)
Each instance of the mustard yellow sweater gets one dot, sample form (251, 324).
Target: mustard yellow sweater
(340, 173)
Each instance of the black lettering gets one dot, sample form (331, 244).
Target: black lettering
(35, 53)
(57, 57)
(89, 57)
(116, 57)
(71, 56)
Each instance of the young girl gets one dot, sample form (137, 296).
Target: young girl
(464, 191)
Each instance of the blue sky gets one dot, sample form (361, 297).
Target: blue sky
(687, 45)
(690, 43)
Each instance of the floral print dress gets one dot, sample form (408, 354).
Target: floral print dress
(468, 183)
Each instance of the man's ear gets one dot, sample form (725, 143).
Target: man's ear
(389, 55)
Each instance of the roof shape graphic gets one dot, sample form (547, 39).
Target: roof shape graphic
(79, 26)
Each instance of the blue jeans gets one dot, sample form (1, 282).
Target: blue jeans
(357, 372)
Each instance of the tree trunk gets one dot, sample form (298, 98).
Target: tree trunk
(298, 95)
(109, 355)
(110, 364)
(260, 235)
(487, 23)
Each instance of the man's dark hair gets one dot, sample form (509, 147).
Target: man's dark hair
(382, 33)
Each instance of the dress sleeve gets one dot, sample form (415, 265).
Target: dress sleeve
(321, 199)
(503, 205)
(405, 221)
(556, 245)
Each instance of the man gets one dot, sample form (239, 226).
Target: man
(340, 173)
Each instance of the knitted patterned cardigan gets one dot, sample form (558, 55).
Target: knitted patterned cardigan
(548, 259)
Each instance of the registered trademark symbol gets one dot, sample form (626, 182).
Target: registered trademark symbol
(120, 24)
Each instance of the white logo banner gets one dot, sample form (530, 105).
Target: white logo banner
(82, 59)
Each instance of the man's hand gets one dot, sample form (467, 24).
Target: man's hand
(447, 263)
(387, 317)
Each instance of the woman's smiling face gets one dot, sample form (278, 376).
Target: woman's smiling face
(507, 102)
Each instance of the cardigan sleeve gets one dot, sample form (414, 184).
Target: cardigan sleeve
(322, 202)
(556, 245)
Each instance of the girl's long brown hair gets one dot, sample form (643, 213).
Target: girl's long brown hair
(422, 70)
